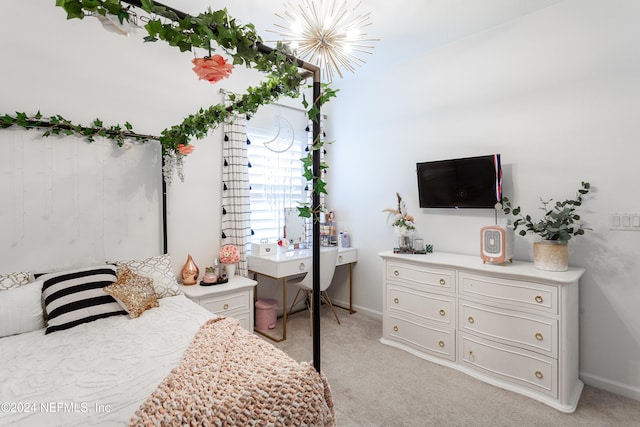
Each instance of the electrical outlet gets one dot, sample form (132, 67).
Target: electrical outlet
(624, 221)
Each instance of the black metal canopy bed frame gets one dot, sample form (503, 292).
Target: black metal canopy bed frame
(309, 71)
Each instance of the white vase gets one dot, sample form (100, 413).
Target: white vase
(230, 269)
(550, 255)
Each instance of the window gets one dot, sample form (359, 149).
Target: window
(278, 141)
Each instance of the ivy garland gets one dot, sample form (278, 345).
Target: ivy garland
(188, 32)
(58, 125)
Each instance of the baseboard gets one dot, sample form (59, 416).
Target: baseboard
(606, 384)
(367, 312)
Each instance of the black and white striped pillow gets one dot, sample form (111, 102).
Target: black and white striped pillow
(74, 297)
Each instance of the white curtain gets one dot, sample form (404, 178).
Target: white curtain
(236, 208)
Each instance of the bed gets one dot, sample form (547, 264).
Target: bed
(174, 363)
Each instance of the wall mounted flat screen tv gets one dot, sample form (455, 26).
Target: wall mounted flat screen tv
(471, 182)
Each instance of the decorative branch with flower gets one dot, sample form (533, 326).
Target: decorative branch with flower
(402, 222)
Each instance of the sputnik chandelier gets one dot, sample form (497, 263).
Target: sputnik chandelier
(326, 33)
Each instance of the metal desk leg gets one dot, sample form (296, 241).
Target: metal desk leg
(284, 311)
(351, 288)
(284, 308)
(351, 310)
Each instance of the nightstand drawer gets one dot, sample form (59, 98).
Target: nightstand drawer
(433, 307)
(222, 304)
(522, 330)
(241, 316)
(232, 299)
(528, 295)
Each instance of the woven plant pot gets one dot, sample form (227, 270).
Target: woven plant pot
(550, 255)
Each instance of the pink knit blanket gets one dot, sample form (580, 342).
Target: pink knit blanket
(230, 377)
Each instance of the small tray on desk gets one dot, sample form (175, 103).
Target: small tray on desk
(220, 281)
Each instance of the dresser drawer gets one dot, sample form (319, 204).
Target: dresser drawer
(226, 303)
(522, 294)
(433, 307)
(528, 369)
(520, 329)
(422, 275)
(439, 342)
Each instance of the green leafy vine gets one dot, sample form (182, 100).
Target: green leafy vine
(305, 209)
(58, 125)
(187, 33)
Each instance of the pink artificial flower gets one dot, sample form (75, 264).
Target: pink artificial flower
(185, 149)
(229, 254)
(212, 68)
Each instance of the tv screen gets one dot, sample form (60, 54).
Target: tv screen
(471, 182)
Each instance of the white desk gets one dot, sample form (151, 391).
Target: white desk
(283, 265)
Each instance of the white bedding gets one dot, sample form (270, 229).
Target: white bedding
(96, 373)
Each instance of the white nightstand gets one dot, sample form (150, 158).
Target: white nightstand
(232, 299)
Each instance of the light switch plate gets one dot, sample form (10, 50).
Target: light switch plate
(625, 221)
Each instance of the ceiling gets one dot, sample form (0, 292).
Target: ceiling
(402, 27)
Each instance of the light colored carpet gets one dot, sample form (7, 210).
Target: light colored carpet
(377, 385)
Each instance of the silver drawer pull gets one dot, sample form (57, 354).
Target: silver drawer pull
(301, 267)
(442, 282)
(395, 328)
(396, 273)
(396, 300)
(441, 343)
(471, 358)
(539, 299)
(442, 312)
(226, 307)
(470, 320)
(539, 336)
(539, 375)
(340, 258)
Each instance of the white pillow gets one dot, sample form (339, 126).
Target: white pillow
(21, 309)
(159, 269)
(13, 280)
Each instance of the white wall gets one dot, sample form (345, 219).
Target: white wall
(557, 93)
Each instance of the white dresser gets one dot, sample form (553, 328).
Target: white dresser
(509, 325)
(232, 299)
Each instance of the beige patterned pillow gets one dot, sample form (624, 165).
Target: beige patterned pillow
(159, 269)
(13, 280)
(133, 292)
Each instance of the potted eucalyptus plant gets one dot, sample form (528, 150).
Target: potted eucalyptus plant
(559, 224)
